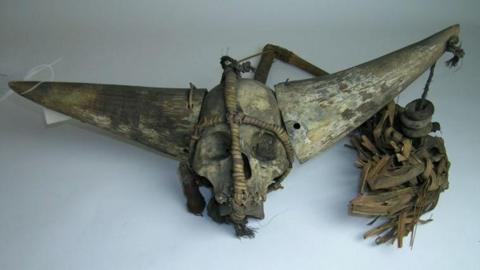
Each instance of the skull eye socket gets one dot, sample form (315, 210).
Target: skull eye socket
(218, 146)
(265, 146)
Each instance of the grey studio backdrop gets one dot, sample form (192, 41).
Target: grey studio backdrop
(74, 197)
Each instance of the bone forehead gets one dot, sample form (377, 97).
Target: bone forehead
(254, 99)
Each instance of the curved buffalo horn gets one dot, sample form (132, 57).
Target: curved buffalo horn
(161, 118)
(318, 112)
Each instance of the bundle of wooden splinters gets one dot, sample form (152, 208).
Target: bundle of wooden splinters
(402, 176)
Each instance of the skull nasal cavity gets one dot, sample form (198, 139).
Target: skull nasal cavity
(246, 167)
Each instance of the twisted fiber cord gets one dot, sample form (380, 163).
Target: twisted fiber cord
(239, 182)
(456, 50)
(209, 122)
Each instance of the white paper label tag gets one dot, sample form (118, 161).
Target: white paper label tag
(53, 117)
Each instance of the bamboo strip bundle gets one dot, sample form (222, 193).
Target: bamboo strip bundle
(401, 177)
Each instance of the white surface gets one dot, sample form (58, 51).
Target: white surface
(72, 197)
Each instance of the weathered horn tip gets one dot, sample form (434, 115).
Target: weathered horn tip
(455, 29)
(13, 85)
(452, 30)
(457, 26)
(21, 87)
(445, 35)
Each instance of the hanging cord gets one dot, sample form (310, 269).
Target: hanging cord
(458, 53)
(421, 104)
(255, 55)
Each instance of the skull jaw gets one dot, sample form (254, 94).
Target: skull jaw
(251, 209)
(220, 205)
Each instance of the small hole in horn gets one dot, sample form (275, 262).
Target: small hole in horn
(296, 126)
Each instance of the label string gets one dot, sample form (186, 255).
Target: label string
(32, 72)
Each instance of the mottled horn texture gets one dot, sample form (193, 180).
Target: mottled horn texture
(320, 111)
(160, 118)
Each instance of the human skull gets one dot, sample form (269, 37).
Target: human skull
(264, 156)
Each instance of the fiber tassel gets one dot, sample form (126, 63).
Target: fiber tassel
(243, 231)
(457, 51)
